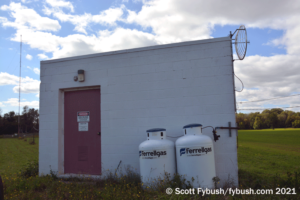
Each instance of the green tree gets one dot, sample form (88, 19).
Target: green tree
(240, 118)
(241, 125)
(252, 117)
(289, 121)
(296, 124)
(25, 121)
(277, 110)
(281, 119)
(273, 120)
(257, 123)
(1, 122)
(246, 122)
(34, 119)
(29, 121)
(10, 123)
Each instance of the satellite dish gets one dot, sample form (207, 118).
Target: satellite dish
(241, 42)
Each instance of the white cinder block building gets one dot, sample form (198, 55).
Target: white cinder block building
(127, 92)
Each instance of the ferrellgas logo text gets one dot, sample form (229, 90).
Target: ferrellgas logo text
(195, 151)
(152, 153)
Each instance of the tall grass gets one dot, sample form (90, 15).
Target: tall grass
(120, 184)
(267, 160)
(125, 184)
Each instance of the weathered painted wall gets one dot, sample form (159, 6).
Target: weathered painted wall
(165, 86)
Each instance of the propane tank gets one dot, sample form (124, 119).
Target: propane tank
(195, 157)
(157, 156)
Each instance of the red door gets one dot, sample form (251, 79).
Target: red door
(82, 144)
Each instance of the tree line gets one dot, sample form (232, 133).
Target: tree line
(274, 118)
(29, 121)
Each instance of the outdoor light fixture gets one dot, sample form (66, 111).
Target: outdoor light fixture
(81, 75)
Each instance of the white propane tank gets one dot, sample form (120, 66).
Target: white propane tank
(157, 156)
(195, 157)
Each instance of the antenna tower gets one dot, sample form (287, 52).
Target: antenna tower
(20, 87)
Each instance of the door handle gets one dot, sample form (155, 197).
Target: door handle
(99, 133)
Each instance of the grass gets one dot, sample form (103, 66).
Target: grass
(267, 159)
(14, 153)
(269, 152)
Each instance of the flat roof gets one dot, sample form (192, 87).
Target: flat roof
(212, 40)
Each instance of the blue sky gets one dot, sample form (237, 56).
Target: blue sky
(59, 28)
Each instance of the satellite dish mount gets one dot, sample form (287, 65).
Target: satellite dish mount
(240, 41)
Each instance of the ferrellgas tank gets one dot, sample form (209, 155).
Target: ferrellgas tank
(195, 157)
(157, 156)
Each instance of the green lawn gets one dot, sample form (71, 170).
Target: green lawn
(269, 152)
(261, 152)
(264, 158)
(14, 153)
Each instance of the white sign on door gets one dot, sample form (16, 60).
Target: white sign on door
(83, 126)
(83, 116)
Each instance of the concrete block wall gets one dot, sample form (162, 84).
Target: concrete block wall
(165, 86)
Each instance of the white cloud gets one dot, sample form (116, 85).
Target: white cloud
(36, 70)
(290, 39)
(109, 16)
(42, 56)
(3, 19)
(272, 76)
(175, 21)
(8, 79)
(28, 85)
(29, 57)
(1, 105)
(170, 21)
(78, 44)
(15, 102)
(27, 17)
(81, 22)
(119, 39)
(61, 4)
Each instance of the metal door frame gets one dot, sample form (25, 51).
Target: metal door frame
(61, 132)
